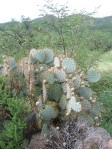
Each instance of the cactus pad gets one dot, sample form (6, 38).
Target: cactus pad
(86, 106)
(63, 102)
(33, 55)
(96, 109)
(55, 92)
(86, 119)
(85, 92)
(60, 75)
(48, 113)
(50, 77)
(48, 129)
(69, 65)
(41, 56)
(45, 129)
(10, 61)
(72, 104)
(93, 75)
(76, 82)
(49, 55)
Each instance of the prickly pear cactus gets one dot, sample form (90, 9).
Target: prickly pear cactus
(93, 75)
(57, 90)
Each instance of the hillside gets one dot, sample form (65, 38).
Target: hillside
(104, 23)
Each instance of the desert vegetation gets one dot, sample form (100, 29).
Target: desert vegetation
(56, 81)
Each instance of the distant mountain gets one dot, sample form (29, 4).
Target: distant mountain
(104, 23)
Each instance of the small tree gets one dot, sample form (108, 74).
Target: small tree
(69, 28)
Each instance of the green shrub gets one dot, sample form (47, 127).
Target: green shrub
(11, 135)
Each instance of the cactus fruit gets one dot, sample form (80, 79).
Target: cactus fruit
(56, 89)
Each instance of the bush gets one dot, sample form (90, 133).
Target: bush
(13, 121)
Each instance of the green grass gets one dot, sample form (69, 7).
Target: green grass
(104, 89)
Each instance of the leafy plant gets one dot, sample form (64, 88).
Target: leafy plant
(13, 113)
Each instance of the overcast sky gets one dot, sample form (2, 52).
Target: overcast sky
(15, 8)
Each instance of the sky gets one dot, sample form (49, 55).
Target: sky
(31, 8)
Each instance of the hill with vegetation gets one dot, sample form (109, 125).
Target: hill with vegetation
(86, 39)
(88, 32)
(104, 24)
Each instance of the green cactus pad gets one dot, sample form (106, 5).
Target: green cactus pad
(63, 102)
(75, 82)
(33, 55)
(86, 106)
(55, 92)
(48, 129)
(72, 104)
(51, 77)
(85, 92)
(11, 63)
(54, 132)
(49, 55)
(41, 56)
(48, 113)
(69, 64)
(96, 109)
(93, 75)
(86, 119)
(60, 75)
(45, 129)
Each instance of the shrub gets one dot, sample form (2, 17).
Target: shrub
(13, 121)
